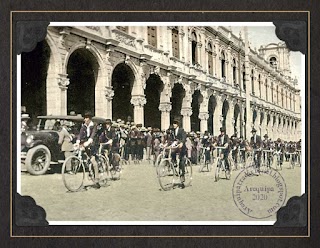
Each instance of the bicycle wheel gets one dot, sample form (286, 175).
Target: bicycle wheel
(158, 160)
(208, 165)
(166, 174)
(202, 163)
(278, 163)
(187, 173)
(103, 170)
(217, 171)
(291, 162)
(73, 173)
(115, 168)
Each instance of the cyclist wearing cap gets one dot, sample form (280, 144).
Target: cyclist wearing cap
(256, 143)
(87, 137)
(223, 140)
(108, 136)
(180, 136)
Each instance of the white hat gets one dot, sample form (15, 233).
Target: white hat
(25, 116)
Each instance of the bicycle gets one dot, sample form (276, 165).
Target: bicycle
(115, 167)
(252, 161)
(221, 164)
(204, 161)
(277, 154)
(167, 171)
(292, 159)
(267, 159)
(75, 168)
(241, 158)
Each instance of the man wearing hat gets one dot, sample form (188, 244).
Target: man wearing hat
(267, 150)
(87, 137)
(108, 136)
(223, 140)
(256, 144)
(24, 122)
(180, 135)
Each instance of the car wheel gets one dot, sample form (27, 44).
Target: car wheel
(38, 160)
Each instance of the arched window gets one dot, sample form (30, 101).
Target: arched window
(175, 42)
(210, 59)
(259, 81)
(234, 72)
(273, 62)
(223, 65)
(123, 28)
(290, 99)
(152, 36)
(244, 78)
(282, 102)
(252, 82)
(277, 95)
(194, 44)
(266, 90)
(271, 91)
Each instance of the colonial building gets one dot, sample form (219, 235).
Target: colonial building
(206, 76)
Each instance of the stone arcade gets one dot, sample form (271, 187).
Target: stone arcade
(206, 76)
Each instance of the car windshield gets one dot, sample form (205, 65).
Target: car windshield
(55, 124)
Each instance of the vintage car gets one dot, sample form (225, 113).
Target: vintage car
(40, 148)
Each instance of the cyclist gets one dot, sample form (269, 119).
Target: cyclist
(180, 136)
(267, 146)
(109, 136)
(87, 137)
(234, 145)
(207, 146)
(256, 143)
(279, 148)
(223, 140)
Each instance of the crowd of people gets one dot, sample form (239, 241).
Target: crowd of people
(134, 142)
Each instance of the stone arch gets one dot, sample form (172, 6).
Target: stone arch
(225, 110)
(55, 63)
(236, 116)
(122, 83)
(197, 99)
(136, 90)
(212, 103)
(83, 72)
(153, 90)
(34, 81)
(102, 79)
(178, 94)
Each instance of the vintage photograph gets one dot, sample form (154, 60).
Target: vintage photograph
(161, 123)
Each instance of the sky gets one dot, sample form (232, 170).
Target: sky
(258, 36)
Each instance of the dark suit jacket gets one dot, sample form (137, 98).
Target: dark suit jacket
(83, 132)
(181, 137)
(256, 144)
(225, 141)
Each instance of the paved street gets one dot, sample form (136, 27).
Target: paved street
(137, 197)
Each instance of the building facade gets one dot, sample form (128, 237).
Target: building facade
(205, 76)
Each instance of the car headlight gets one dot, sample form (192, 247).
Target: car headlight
(29, 139)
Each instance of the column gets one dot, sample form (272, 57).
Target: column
(186, 112)
(203, 116)
(181, 44)
(109, 93)
(217, 62)
(138, 102)
(169, 41)
(186, 46)
(264, 124)
(165, 109)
